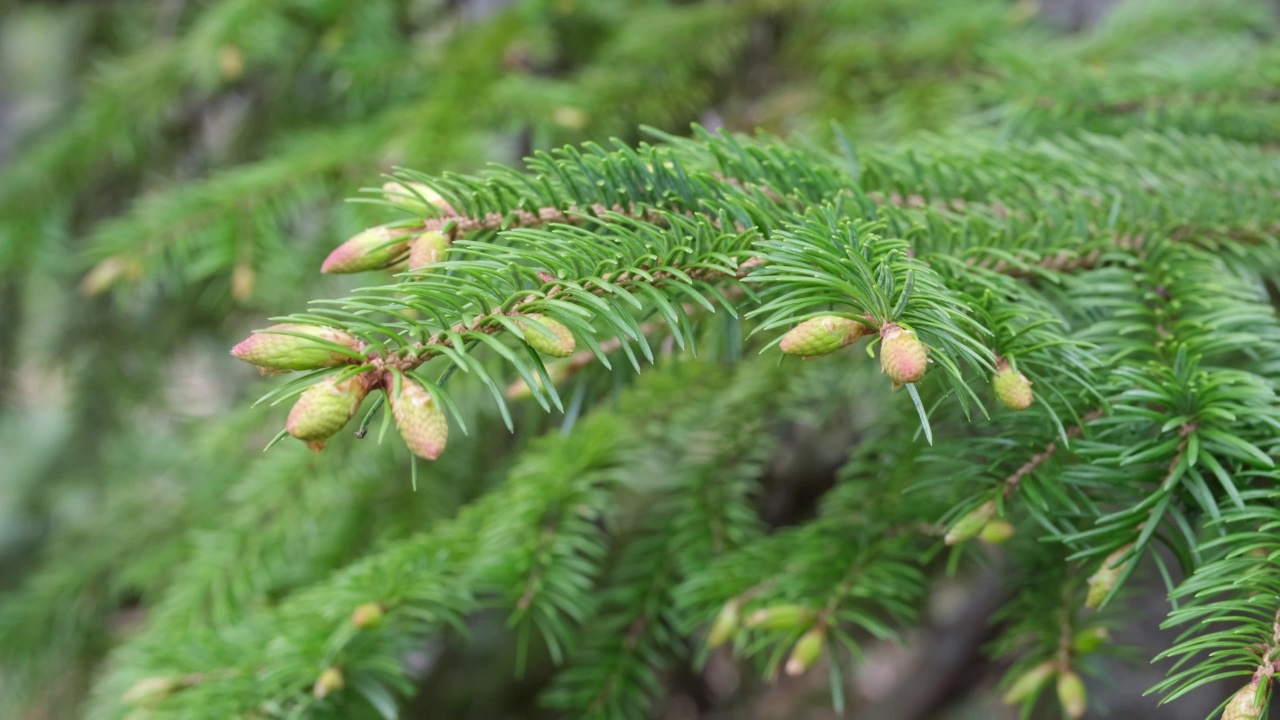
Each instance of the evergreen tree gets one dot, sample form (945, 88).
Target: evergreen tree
(1033, 271)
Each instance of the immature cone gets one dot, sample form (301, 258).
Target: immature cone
(1101, 582)
(902, 356)
(725, 625)
(997, 532)
(968, 527)
(330, 681)
(324, 408)
(807, 650)
(1241, 706)
(559, 343)
(1029, 683)
(1012, 387)
(820, 336)
(367, 615)
(275, 350)
(415, 197)
(420, 420)
(1072, 695)
(780, 617)
(373, 249)
(427, 249)
(149, 691)
(1088, 640)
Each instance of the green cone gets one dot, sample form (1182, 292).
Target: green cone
(820, 336)
(373, 249)
(420, 421)
(279, 348)
(427, 249)
(902, 356)
(559, 343)
(324, 408)
(1012, 387)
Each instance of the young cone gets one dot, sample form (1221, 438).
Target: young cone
(427, 249)
(1241, 706)
(324, 408)
(1029, 683)
(820, 336)
(1012, 387)
(373, 249)
(997, 532)
(780, 617)
(1101, 582)
(1072, 695)
(725, 625)
(968, 527)
(421, 422)
(902, 356)
(274, 349)
(367, 615)
(330, 681)
(807, 651)
(415, 197)
(559, 343)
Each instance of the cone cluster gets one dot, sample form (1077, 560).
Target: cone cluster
(820, 336)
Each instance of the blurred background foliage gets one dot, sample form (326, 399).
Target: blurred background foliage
(173, 171)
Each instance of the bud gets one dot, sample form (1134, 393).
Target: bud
(273, 349)
(902, 356)
(427, 249)
(324, 408)
(1245, 704)
(1071, 694)
(330, 681)
(367, 615)
(149, 691)
(1102, 581)
(1088, 640)
(780, 617)
(968, 527)
(415, 197)
(421, 422)
(373, 249)
(725, 625)
(807, 650)
(996, 532)
(820, 336)
(1012, 387)
(1029, 683)
(519, 389)
(559, 343)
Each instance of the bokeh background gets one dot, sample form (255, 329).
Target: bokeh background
(173, 171)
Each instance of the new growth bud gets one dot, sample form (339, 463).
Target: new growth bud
(820, 336)
(427, 249)
(780, 617)
(553, 338)
(902, 356)
(279, 347)
(1072, 695)
(1102, 581)
(373, 249)
(1086, 641)
(725, 625)
(1029, 683)
(997, 532)
(415, 197)
(329, 682)
(149, 691)
(1245, 704)
(807, 651)
(968, 527)
(1012, 387)
(419, 419)
(324, 408)
(367, 615)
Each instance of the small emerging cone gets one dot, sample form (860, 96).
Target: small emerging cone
(1242, 705)
(415, 197)
(726, 624)
(968, 527)
(149, 691)
(427, 249)
(275, 350)
(1029, 683)
(324, 408)
(807, 651)
(559, 343)
(373, 249)
(1012, 387)
(1102, 581)
(367, 615)
(1088, 640)
(519, 389)
(420, 420)
(820, 336)
(329, 682)
(997, 532)
(902, 356)
(1072, 695)
(780, 617)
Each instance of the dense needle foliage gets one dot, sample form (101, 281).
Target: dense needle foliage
(1030, 275)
